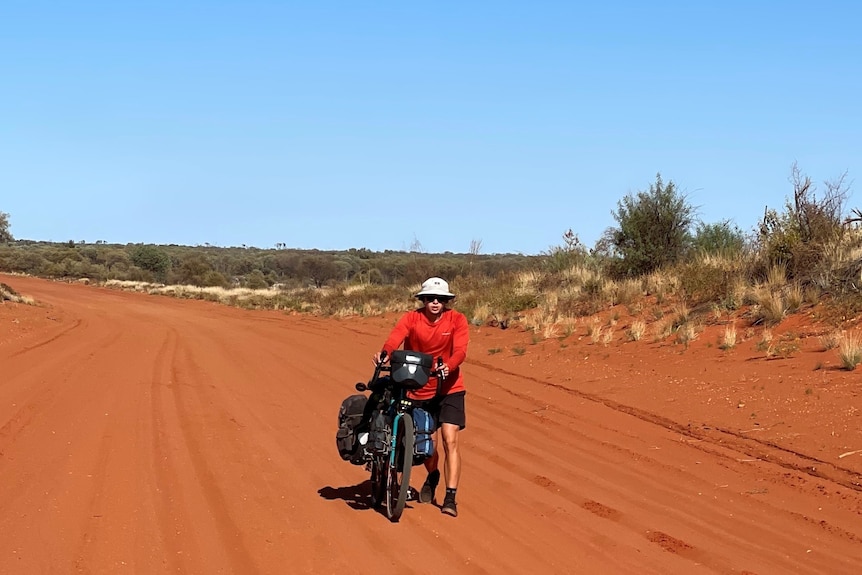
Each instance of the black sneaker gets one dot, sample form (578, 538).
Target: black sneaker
(429, 487)
(412, 494)
(450, 507)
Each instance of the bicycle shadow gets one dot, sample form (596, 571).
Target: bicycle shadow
(356, 496)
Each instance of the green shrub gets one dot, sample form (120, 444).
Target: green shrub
(722, 238)
(151, 259)
(654, 229)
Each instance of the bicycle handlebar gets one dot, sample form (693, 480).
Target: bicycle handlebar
(369, 386)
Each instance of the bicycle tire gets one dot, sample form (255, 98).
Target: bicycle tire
(400, 462)
(378, 481)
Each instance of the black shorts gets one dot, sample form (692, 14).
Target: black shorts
(447, 409)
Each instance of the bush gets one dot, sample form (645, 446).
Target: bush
(151, 259)
(571, 254)
(806, 230)
(722, 238)
(654, 230)
(256, 280)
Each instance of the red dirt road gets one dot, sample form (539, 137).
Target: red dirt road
(142, 434)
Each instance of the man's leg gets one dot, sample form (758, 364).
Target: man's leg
(432, 462)
(426, 495)
(452, 466)
(453, 419)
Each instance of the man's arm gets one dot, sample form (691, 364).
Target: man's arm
(398, 334)
(460, 339)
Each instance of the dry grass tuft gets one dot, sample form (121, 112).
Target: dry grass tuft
(776, 276)
(769, 306)
(794, 297)
(593, 324)
(607, 336)
(811, 295)
(729, 340)
(686, 334)
(830, 339)
(596, 333)
(550, 330)
(681, 314)
(765, 342)
(482, 312)
(629, 292)
(662, 329)
(636, 331)
(850, 351)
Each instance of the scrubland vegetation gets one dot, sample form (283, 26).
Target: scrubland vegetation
(666, 271)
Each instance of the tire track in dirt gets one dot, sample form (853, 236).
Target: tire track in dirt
(64, 390)
(62, 367)
(15, 369)
(85, 552)
(744, 445)
(281, 431)
(62, 331)
(301, 429)
(170, 510)
(556, 431)
(200, 487)
(231, 536)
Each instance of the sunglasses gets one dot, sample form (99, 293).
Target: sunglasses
(430, 298)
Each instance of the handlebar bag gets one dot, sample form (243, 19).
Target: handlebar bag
(411, 369)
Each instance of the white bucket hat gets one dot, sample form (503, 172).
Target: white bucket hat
(435, 286)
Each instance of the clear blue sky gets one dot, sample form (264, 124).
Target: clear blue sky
(399, 124)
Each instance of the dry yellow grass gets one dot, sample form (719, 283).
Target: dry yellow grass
(596, 332)
(629, 291)
(607, 336)
(686, 333)
(579, 276)
(769, 305)
(662, 329)
(794, 297)
(765, 343)
(681, 314)
(830, 339)
(850, 350)
(776, 276)
(729, 340)
(636, 331)
(481, 313)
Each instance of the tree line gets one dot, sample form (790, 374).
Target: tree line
(655, 228)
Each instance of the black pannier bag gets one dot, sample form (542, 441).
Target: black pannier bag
(346, 438)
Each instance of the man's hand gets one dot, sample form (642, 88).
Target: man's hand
(444, 370)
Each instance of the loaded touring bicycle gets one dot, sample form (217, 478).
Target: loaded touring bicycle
(387, 432)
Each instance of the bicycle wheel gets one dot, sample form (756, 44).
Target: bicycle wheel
(400, 464)
(378, 480)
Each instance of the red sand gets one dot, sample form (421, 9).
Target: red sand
(143, 434)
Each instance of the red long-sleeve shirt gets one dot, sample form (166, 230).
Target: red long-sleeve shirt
(447, 338)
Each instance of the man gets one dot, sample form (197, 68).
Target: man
(439, 331)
